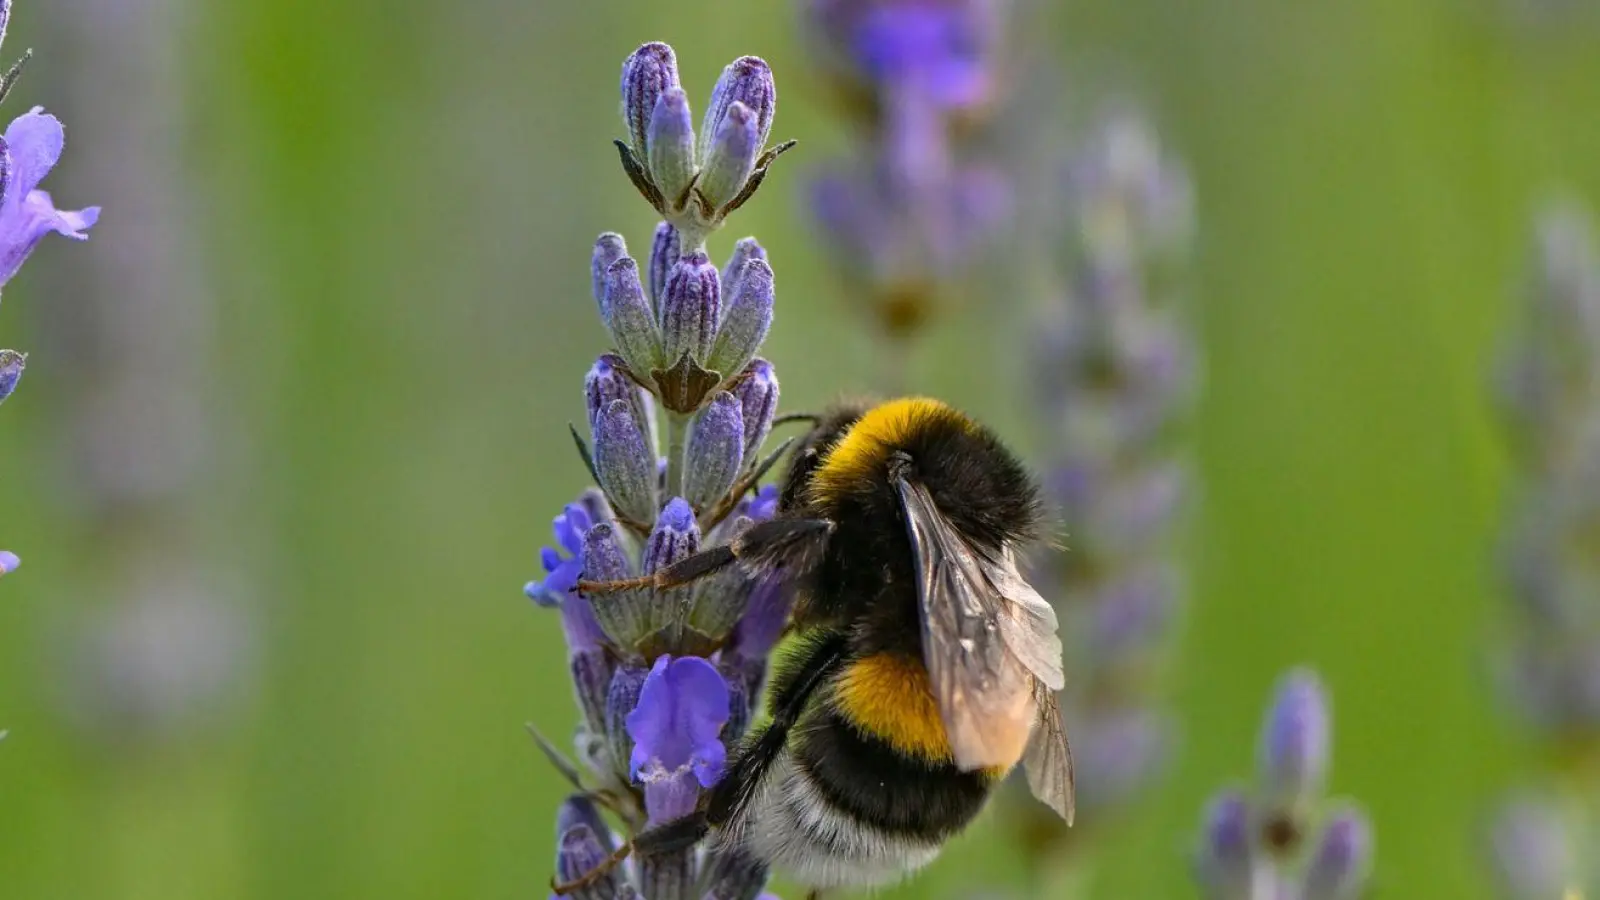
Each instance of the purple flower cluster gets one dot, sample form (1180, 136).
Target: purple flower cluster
(30, 149)
(666, 678)
(1116, 365)
(916, 200)
(1550, 662)
(1277, 841)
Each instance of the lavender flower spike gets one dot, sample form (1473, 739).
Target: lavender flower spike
(664, 676)
(8, 562)
(32, 147)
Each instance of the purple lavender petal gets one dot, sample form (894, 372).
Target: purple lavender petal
(8, 562)
(34, 142)
(681, 710)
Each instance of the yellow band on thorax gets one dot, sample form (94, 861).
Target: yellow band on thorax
(865, 445)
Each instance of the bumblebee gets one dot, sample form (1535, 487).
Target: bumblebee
(927, 667)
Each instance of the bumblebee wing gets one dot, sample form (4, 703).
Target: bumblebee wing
(984, 691)
(1048, 759)
(1028, 623)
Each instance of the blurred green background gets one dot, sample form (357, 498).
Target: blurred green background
(380, 214)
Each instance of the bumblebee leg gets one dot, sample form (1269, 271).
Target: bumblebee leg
(787, 543)
(733, 792)
(561, 889)
(670, 837)
(684, 571)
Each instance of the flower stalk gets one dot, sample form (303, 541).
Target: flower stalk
(666, 678)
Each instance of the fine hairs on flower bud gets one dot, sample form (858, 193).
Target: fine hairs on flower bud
(608, 248)
(629, 317)
(732, 157)
(691, 309)
(748, 318)
(649, 73)
(716, 451)
(665, 250)
(624, 462)
(672, 150)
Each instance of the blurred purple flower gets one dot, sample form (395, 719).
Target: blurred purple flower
(32, 147)
(8, 562)
(940, 50)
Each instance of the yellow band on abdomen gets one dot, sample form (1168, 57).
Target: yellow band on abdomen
(888, 696)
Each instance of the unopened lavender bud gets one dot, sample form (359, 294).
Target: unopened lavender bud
(664, 253)
(716, 451)
(8, 562)
(651, 71)
(731, 157)
(690, 308)
(628, 317)
(676, 536)
(743, 251)
(579, 809)
(620, 703)
(580, 853)
(758, 399)
(748, 320)
(625, 616)
(606, 383)
(11, 365)
(672, 160)
(1338, 869)
(1294, 743)
(1224, 865)
(624, 463)
(608, 248)
(747, 80)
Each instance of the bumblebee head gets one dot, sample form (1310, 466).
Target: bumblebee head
(978, 484)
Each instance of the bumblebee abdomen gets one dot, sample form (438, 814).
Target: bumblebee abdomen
(887, 696)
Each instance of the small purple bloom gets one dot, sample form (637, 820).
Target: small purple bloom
(765, 504)
(31, 149)
(8, 562)
(562, 571)
(681, 711)
(675, 729)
